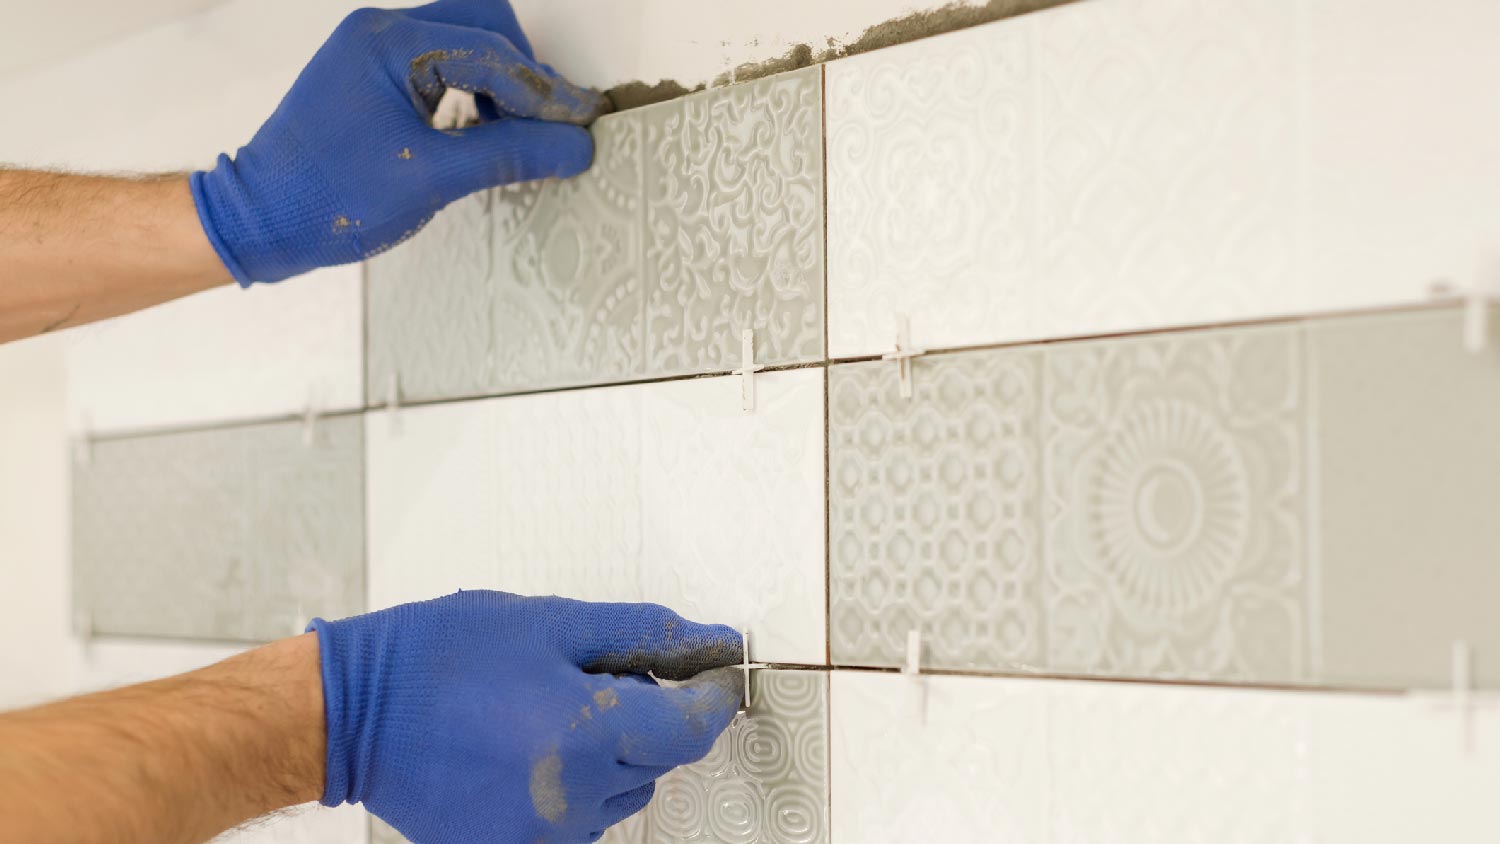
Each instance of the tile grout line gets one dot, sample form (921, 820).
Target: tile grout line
(827, 483)
(1287, 320)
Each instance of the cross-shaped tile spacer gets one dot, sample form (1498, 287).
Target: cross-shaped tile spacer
(747, 371)
(905, 351)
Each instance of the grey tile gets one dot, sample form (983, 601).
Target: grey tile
(699, 218)
(568, 272)
(734, 225)
(1294, 503)
(764, 782)
(428, 317)
(238, 533)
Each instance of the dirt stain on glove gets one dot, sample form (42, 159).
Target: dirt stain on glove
(547, 796)
(606, 699)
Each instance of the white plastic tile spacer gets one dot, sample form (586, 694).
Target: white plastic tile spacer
(747, 666)
(299, 624)
(905, 351)
(1476, 322)
(747, 369)
(310, 426)
(1462, 680)
(913, 665)
(913, 668)
(392, 399)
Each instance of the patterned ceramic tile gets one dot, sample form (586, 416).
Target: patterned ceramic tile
(933, 511)
(699, 218)
(1239, 504)
(188, 362)
(1175, 506)
(665, 492)
(235, 533)
(429, 320)
(734, 225)
(1129, 164)
(1059, 761)
(764, 782)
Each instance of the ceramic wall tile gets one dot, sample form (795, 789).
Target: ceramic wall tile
(233, 533)
(1114, 166)
(310, 823)
(1235, 504)
(1056, 760)
(764, 782)
(699, 218)
(665, 492)
(941, 761)
(429, 323)
(223, 355)
(1062, 761)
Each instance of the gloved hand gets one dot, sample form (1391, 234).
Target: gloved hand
(488, 717)
(348, 166)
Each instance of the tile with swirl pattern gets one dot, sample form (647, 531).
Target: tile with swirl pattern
(234, 533)
(1228, 505)
(699, 218)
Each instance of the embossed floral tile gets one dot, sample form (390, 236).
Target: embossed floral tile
(980, 758)
(699, 218)
(667, 492)
(1240, 504)
(1123, 165)
(236, 533)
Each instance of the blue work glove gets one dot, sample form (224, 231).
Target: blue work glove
(349, 165)
(488, 717)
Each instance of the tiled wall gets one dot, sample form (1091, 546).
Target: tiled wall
(1188, 499)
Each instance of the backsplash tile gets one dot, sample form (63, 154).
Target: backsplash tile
(734, 225)
(428, 320)
(764, 782)
(959, 758)
(1124, 165)
(235, 533)
(222, 355)
(700, 217)
(665, 492)
(1199, 505)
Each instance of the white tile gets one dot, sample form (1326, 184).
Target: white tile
(733, 529)
(309, 823)
(110, 663)
(222, 355)
(429, 501)
(1065, 761)
(663, 492)
(1132, 164)
(973, 770)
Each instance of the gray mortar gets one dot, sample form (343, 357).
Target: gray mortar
(911, 27)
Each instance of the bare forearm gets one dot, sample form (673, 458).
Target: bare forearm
(75, 249)
(177, 760)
